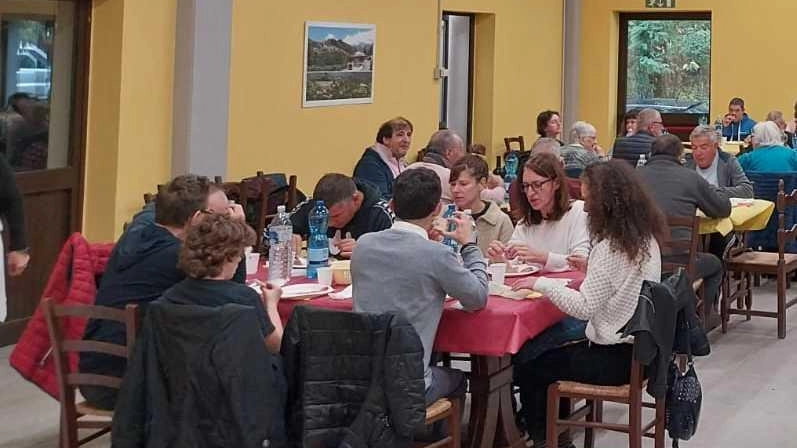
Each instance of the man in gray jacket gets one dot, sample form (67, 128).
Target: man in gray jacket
(400, 270)
(719, 169)
(680, 191)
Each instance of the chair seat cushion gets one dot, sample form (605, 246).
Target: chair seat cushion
(760, 260)
(438, 408)
(86, 409)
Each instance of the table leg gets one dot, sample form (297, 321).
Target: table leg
(492, 420)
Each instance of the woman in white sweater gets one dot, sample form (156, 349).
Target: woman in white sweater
(552, 227)
(624, 227)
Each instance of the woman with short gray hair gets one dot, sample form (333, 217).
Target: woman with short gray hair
(583, 149)
(769, 155)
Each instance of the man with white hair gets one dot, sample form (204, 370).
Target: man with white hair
(649, 126)
(583, 149)
(444, 149)
(769, 156)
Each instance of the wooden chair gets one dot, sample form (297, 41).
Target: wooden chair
(630, 394)
(687, 248)
(72, 413)
(519, 140)
(448, 409)
(780, 264)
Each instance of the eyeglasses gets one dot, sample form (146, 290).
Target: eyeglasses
(536, 187)
(660, 123)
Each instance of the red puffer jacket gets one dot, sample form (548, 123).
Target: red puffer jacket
(73, 281)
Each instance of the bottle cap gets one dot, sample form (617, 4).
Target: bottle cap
(280, 209)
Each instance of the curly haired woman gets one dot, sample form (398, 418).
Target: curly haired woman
(210, 254)
(625, 226)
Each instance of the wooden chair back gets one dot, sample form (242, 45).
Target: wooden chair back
(519, 140)
(68, 380)
(681, 251)
(785, 236)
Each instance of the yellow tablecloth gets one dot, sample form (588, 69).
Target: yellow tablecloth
(743, 218)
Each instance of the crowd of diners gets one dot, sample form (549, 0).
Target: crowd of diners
(608, 222)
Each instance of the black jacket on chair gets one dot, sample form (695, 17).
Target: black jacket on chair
(630, 148)
(200, 377)
(355, 379)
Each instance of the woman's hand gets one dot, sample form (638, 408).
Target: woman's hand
(496, 252)
(525, 283)
(526, 253)
(577, 262)
(17, 262)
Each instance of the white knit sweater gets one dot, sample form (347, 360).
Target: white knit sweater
(610, 291)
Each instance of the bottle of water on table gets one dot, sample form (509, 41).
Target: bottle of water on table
(641, 162)
(318, 242)
(280, 253)
(510, 172)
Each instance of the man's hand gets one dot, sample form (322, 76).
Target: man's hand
(270, 294)
(346, 247)
(236, 211)
(463, 234)
(17, 262)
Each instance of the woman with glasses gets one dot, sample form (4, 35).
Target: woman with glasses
(552, 229)
(625, 226)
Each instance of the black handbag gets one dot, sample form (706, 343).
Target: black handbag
(684, 399)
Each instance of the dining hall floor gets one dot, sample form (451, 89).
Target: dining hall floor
(749, 386)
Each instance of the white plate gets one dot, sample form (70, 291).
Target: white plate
(532, 269)
(305, 291)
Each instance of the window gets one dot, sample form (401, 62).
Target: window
(36, 70)
(665, 64)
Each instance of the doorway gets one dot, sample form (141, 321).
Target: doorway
(43, 87)
(456, 108)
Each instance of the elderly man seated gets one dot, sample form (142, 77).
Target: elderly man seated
(445, 148)
(583, 149)
(649, 126)
(355, 208)
(719, 169)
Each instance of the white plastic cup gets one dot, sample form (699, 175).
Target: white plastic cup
(497, 273)
(252, 261)
(325, 275)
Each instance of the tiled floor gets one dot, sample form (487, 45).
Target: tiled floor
(749, 389)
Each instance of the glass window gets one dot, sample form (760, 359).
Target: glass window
(36, 50)
(666, 65)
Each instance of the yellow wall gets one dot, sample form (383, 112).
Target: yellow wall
(269, 130)
(750, 47)
(130, 110)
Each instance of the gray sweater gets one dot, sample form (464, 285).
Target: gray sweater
(399, 271)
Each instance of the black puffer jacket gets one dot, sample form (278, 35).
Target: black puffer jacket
(352, 376)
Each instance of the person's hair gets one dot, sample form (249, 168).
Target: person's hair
(477, 148)
(767, 133)
(777, 117)
(795, 109)
(14, 99)
(630, 114)
(542, 120)
(621, 210)
(646, 117)
(213, 241)
(442, 140)
(667, 144)
(334, 188)
(473, 165)
(183, 196)
(582, 129)
(546, 145)
(736, 102)
(416, 193)
(705, 131)
(388, 128)
(549, 166)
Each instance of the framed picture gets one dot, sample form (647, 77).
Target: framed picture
(338, 64)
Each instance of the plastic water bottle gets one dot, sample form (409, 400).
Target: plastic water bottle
(452, 226)
(318, 243)
(641, 162)
(794, 140)
(280, 253)
(510, 173)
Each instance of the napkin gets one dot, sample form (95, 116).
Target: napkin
(506, 291)
(346, 293)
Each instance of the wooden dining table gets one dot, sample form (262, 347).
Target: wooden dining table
(490, 336)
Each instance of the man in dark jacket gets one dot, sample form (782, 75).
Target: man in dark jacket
(355, 208)
(143, 265)
(649, 126)
(741, 125)
(382, 163)
(719, 169)
(680, 191)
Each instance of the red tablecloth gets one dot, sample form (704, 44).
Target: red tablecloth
(500, 328)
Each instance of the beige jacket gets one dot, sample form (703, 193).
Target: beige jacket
(494, 225)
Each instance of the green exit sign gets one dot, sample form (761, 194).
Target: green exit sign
(660, 3)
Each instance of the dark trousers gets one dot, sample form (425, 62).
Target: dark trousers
(100, 397)
(605, 365)
(446, 382)
(709, 268)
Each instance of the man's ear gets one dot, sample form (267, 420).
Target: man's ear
(438, 209)
(358, 198)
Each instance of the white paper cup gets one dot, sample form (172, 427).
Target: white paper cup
(252, 260)
(324, 276)
(497, 273)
